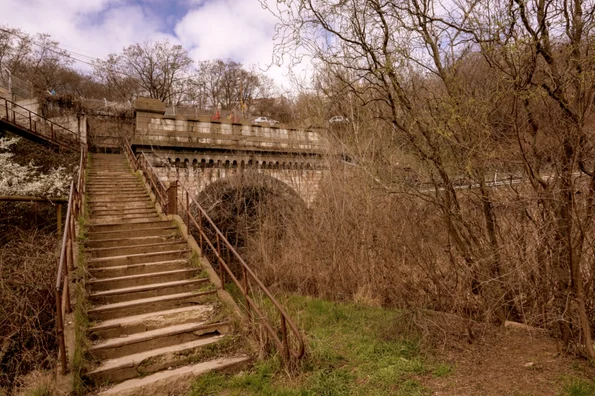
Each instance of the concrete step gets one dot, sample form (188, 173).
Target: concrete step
(111, 196)
(146, 291)
(142, 204)
(152, 304)
(119, 327)
(136, 249)
(143, 232)
(118, 196)
(100, 220)
(103, 284)
(149, 210)
(129, 187)
(101, 187)
(121, 205)
(138, 269)
(153, 339)
(130, 227)
(132, 241)
(149, 362)
(160, 383)
(113, 178)
(138, 258)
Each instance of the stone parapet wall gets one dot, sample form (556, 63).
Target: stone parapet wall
(154, 128)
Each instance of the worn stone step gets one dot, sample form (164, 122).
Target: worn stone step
(120, 204)
(143, 232)
(118, 195)
(95, 190)
(136, 249)
(153, 339)
(149, 362)
(139, 258)
(138, 269)
(110, 178)
(144, 204)
(140, 204)
(159, 383)
(103, 284)
(146, 291)
(132, 241)
(113, 179)
(118, 327)
(118, 226)
(99, 220)
(148, 210)
(152, 304)
(108, 199)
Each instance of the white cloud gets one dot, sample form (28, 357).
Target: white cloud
(209, 29)
(238, 29)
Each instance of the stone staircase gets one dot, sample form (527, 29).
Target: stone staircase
(155, 316)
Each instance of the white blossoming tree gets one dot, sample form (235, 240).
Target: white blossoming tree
(27, 180)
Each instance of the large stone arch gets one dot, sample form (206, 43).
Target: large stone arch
(251, 182)
(250, 207)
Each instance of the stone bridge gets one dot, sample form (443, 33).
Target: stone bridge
(202, 153)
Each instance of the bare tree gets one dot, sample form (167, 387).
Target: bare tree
(159, 70)
(543, 49)
(445, 79)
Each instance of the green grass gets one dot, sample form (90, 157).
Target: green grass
(578, 387)
(352, 350)
(81, 324)
(81, 320)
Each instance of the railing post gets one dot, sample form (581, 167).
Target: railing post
(285, 343)
(172, 198)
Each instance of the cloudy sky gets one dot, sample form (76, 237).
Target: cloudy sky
(209, 29)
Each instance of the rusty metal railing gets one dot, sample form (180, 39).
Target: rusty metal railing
(142, 163)
(286, 337)
(37, 125)
(66, 263)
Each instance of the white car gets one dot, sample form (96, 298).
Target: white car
(338, 120)
(265, 120)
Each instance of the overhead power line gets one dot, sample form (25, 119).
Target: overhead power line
(70, 53)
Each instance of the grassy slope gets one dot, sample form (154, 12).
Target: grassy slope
(353, 350)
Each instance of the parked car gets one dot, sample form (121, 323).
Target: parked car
(338, 120)
(265, 120)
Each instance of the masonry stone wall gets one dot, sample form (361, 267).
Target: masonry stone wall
(153, 126)
(305, 182)
(198, 151)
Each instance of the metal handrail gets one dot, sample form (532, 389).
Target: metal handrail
(142, 163)
(66, 263)
(249, 279)
(28, 119)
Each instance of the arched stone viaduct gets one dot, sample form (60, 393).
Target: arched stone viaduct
(199, 151)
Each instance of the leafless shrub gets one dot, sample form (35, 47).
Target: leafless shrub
(27, 335)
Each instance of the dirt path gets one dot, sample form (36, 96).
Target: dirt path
(508, 362)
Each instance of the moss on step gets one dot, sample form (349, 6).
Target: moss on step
(230, 345)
